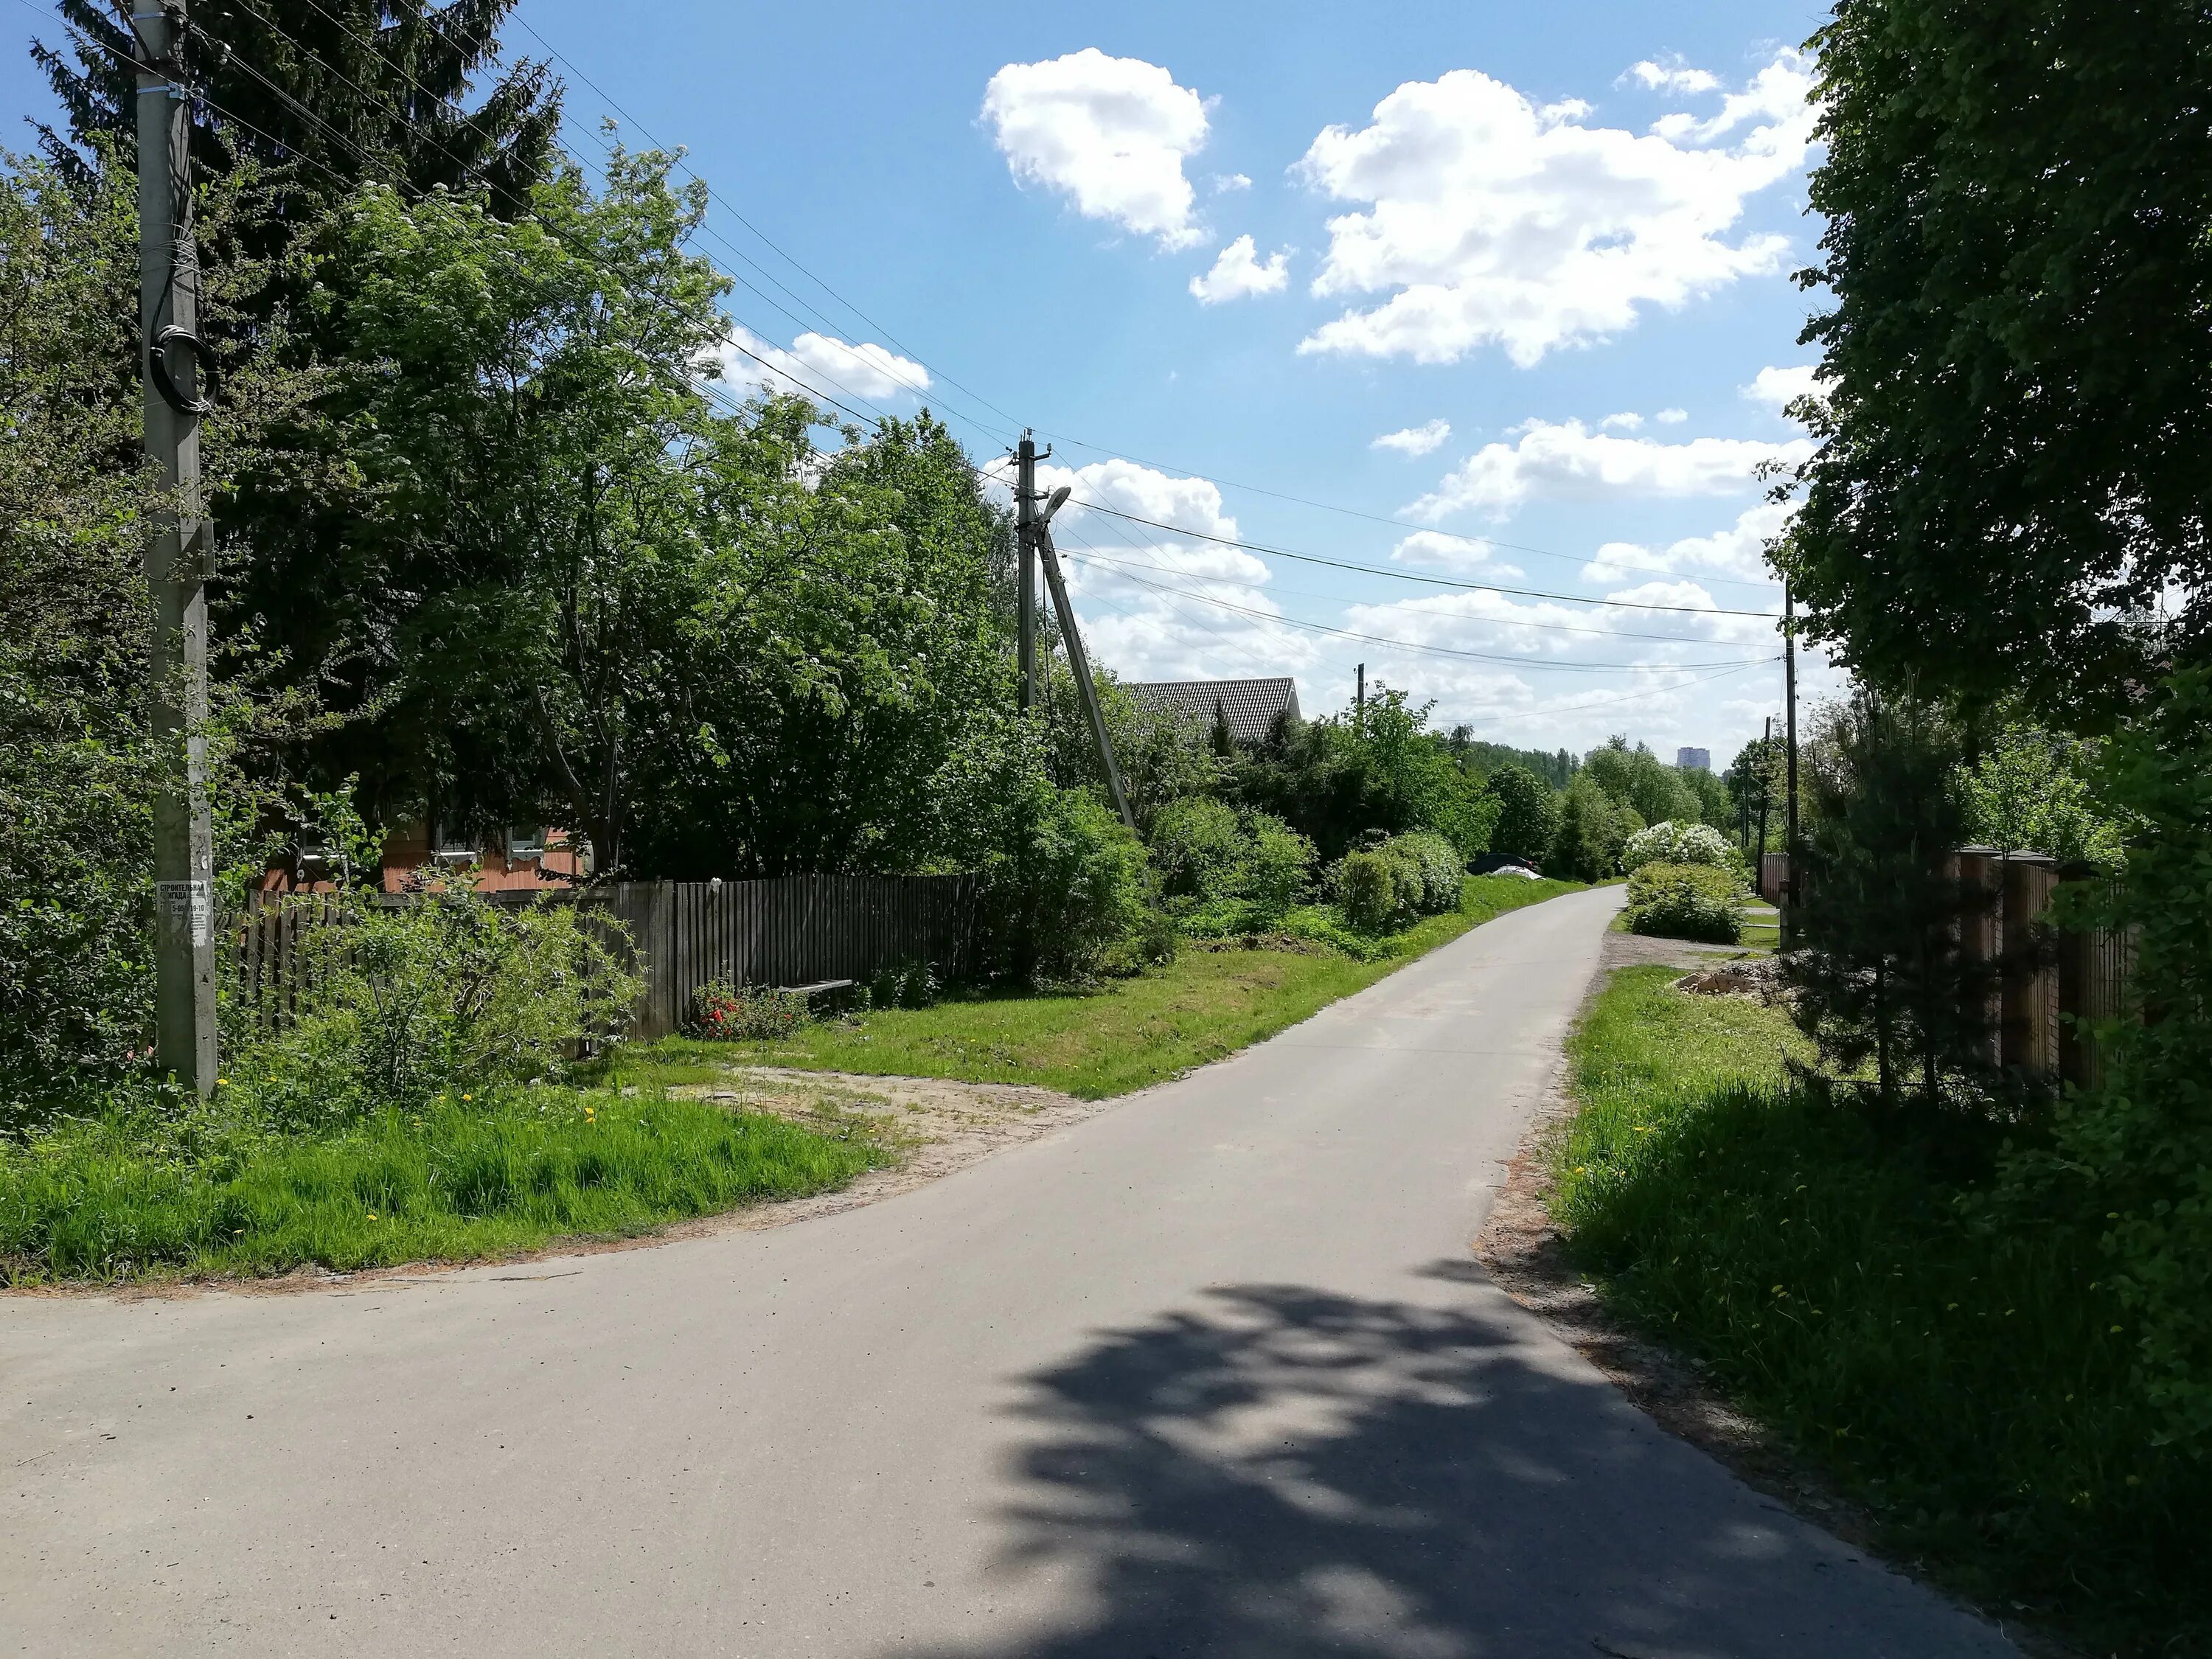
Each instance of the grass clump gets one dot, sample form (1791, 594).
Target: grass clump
(1108, 1038)
(1843, 1278)
(131, 1195)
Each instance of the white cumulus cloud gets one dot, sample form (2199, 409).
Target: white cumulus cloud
(1415, 440)
(1110, 133)
(1672, 77)
(1225, 182)
(1490, 221)
(1566, 461)
(1738, 550)
(1626, 421)
(820, 366)
(1240, 272)
(1778, 388)
(1672, 416)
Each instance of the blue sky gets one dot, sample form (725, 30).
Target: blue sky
(1547, 251)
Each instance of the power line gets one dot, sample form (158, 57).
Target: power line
(1411, 576)
(1501, 622)
(1445, 650)
(1379, 517)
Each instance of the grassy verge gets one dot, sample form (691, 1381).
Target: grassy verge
(124, 1198)
(1121, 1036)
(1967, 1379)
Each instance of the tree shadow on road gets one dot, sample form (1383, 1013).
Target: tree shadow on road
(1285, 1471)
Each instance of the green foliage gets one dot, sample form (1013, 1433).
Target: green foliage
(1879, 974)
(1069, 887)
(1756, 782)
(2031, 791)
(1686, 901)
(723, 1013)
(911, 984)
(444, 994)
(1593, 829)
(1844, 1286)
(1527, 814)
(1382, 889)
(2015, 423)
(2132, 1157)
(1377, 895)
(128, 1195)
(1281, 869)
(1638, 778)
(1200, 850)
(1678, 843)
(1339, 779)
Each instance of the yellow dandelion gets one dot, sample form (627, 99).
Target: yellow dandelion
(372, 1215)
(468, 1097)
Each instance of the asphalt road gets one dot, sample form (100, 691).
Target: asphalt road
(1212, 1374)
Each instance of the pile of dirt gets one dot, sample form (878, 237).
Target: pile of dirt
(1759, 977)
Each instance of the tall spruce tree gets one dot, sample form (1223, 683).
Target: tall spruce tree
(324, 93)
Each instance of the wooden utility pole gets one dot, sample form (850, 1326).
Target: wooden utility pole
(1078, 663)
(1359, 702)
(177, 558)
(1025, 540)
(1789, 887)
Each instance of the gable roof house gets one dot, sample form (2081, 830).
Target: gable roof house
(1251, 708)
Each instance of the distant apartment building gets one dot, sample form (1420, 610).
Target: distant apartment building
(1694, 760)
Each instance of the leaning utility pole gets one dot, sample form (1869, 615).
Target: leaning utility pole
(1025, 541)
(1077, 663)
(177, 556)
(1790, 887)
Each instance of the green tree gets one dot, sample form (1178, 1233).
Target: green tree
(2031, 790)
(328, 95)
(1638, 778)
(2015, 417)
(1878, 970)
(1527, 814)
(531, 442)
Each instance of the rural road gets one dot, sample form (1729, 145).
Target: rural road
(1211, 1374)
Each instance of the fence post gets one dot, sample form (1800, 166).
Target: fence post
(2031, 967)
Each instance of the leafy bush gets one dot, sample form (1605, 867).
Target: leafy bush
(2132, 1165)
(1437, 864)
(737, 1013)
(1378, 893)
(1591, 829)
(1675, 842)
(1281, 867)
(1686, 901)
(1071, 887)
(903, 985)
(445, 993)
(1200, 850)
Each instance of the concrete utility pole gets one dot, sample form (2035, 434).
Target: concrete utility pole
(1359, 702)
(1789, 929)
(177, 558)
(1025, 539)
(1079, 664)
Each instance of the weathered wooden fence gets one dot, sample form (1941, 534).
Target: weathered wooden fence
(786, 930)
(2053, 986)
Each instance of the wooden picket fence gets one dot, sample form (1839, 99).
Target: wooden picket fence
(783, 931)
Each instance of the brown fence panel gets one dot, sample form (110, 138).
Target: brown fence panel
(788, 930)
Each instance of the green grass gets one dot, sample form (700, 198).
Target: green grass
(1967, 1378)
(124, 1198)
(1123, 1035)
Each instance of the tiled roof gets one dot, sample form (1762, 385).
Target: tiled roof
(1251, 705)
